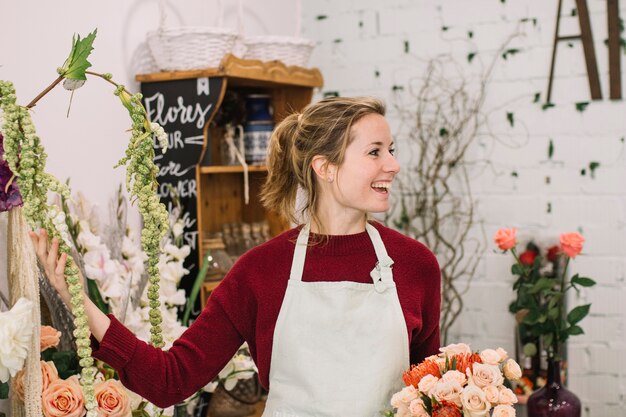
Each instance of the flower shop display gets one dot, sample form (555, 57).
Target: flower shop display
(458, 382)
(26, 157)
(540, 309)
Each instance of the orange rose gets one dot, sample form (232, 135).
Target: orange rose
(506, 238)
(63, 398)
(49, 337)
(572, 244)
(49, 373)
(112, 399)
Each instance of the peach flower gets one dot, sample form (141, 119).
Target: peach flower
(484, 375)
(427, 383)
(49, 373)
(506, 238)
(490, 357)
(503, 354)
(455, 376)
(112, 399)
(512, 370)
(475, 403)
(49, 337)
(506, 396)
(63, 398)
(491, 394)
(404, 397)
(448, 391)
(503, 411)
(416, 408)
(572, 244)
(456, 349)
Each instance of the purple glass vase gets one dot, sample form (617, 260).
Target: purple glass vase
(553, 400)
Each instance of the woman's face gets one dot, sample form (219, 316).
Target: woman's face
(362, 182)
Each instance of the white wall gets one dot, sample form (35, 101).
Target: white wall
(357, 39)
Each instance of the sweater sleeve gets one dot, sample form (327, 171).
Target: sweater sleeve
(167, 377)
(427, 342)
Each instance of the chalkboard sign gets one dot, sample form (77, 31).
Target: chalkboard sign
(182, 108)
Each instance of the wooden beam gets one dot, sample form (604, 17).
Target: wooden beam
(615, 56)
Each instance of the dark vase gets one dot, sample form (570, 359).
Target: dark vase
(553, 400)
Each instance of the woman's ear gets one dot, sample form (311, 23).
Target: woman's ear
(322, 168)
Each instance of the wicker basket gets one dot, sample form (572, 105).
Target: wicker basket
(190, 47)
(287, 49)
(142, 61)
(238, 402)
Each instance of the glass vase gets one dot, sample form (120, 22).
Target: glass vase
(553, 400)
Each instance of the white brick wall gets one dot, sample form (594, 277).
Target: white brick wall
(361, 50)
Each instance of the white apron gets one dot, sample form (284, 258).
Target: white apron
(339, 348)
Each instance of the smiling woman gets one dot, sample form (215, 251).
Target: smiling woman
(332, 306)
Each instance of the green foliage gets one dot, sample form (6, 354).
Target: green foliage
(471, 56)
(4, 392)
(511, 118)
(581, 106)
(76, 64)
(547, 106)
(510, 51)
(550, 149)
(539, 305)
(593, 165)
(537, 98)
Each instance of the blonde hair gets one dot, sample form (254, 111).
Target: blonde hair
(323, 128)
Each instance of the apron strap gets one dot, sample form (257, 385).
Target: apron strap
(382, 274)
(297, 265)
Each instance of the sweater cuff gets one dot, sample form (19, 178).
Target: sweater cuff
(116, 347)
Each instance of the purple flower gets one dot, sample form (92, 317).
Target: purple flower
(12, 197)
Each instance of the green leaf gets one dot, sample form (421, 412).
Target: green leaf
(510, 51)
(574, 330)
(517, 269)
(511, 118)
(553, 313)
(547, 339)
(4, 391)
(443, 132)
(578, 313)
(583, 281)
(453, 364)
(76, 64)
(550, 149)
(537, 98)
(444, 28)
(471, 56)
(541, 285)
(574, 12)
(593, 165)
(581, 106)
(470, 34)
(532, 317)
(547, 106)
(195, 290)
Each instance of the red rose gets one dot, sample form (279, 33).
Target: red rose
(528, 257)
(552, 253)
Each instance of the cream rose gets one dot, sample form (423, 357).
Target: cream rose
(456, 349)
(487, 375)
(63, 398)
(474, 402)
(490, 357)
(503, 354)
(49, 337)
(404, 397)
(112, 399)
(416, 408)
(448, 391)
(503, 411)
(512, 370)
(427, 383)
(506, 396)
(491, 394)
(456, 376)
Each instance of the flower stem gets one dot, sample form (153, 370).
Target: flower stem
(555, 341)
(33, 103)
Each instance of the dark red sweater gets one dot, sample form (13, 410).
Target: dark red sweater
(246, 304)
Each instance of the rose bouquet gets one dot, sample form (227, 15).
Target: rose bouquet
(541, 288)
(458, 382)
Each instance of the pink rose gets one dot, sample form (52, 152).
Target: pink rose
(404, 397)
(484, 375)
(427, 383)
(448, 391)
(454, 375)
(49, 373)
(490, 357)
(512, 370)
(572, 244)
(491, 394)
(63, 398)
(506, 396)
(112, 399)
(456, 349)
(506, 238)
(49, 337)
